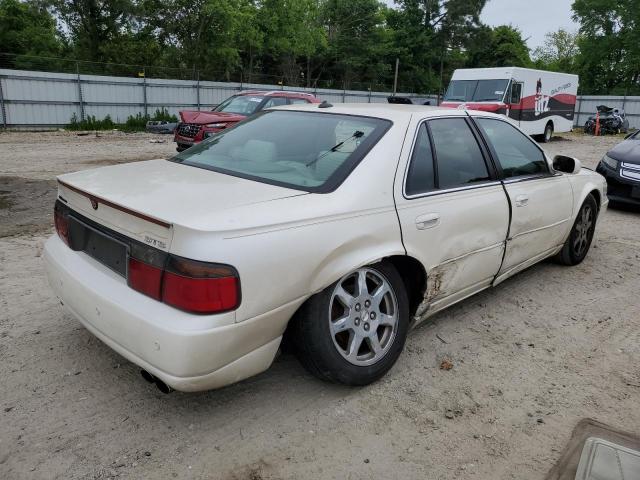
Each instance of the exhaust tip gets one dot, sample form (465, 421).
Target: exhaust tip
(163, 387)
(147, 376)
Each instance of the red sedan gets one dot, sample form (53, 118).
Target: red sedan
(197, 125)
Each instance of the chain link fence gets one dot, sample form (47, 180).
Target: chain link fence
(82, 67)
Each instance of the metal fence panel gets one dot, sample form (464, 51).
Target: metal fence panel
(3, 117)
(45, 99)
(587, 105)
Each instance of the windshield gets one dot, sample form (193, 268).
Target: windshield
(476, 90)
(241, 104)
(309, 151)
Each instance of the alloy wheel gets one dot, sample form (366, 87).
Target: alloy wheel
(583, 230)
(363, 316)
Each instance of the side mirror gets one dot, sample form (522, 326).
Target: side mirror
(563, 163)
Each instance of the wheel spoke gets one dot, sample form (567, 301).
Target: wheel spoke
(386, 320)
(345, 297)
(374, 344)
(588, 225)
(379, 294)
(341, 324)
(362, 282)
(355, 341)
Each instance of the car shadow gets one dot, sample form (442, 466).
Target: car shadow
(624, 207)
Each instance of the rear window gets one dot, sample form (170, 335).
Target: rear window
(309, 151)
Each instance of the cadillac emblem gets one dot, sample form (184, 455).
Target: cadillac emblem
(94, 203)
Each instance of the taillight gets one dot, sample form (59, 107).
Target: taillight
(190, 285)
(145, 278)
(200, 287)
(61, 220)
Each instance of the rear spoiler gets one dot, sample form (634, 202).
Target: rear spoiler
(95, 201)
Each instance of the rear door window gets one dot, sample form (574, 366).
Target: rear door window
(517, 154)
(459, 160)
(421, 177)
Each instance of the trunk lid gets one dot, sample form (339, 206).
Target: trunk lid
(143, 200)
(202, 118)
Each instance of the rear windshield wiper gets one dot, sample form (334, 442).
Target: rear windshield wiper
(356, 134)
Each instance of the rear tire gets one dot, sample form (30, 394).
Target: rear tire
(547, 136)
(577, 246)
(354, 330)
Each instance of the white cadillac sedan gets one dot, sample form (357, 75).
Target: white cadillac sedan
(339, 227)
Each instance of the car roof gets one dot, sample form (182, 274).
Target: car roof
(386, 110)
(277, 93)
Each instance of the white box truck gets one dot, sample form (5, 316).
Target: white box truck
(539, 102)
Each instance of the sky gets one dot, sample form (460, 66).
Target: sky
(534, 18)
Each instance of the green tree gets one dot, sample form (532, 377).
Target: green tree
(27, 29)
(558, 52)
(91, 25)
(358, 43)
(324, 43)
(207, 35)
(428, 36)
(609, 59)
(292, 32)
(502, 46)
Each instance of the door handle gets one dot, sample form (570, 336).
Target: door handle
(522, 200)
(427, 220)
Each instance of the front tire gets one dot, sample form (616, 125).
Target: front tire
(577, 246)
(589, 127)
(354, 330)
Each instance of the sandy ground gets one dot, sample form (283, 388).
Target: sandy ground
(530, 357)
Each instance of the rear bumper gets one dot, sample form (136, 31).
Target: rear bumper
(188, 352)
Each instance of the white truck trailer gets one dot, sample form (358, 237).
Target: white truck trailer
(539, 102)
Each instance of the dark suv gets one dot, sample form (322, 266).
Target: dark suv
(621, 167)
(197, 125)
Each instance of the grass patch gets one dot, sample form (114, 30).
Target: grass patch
(133, 123)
